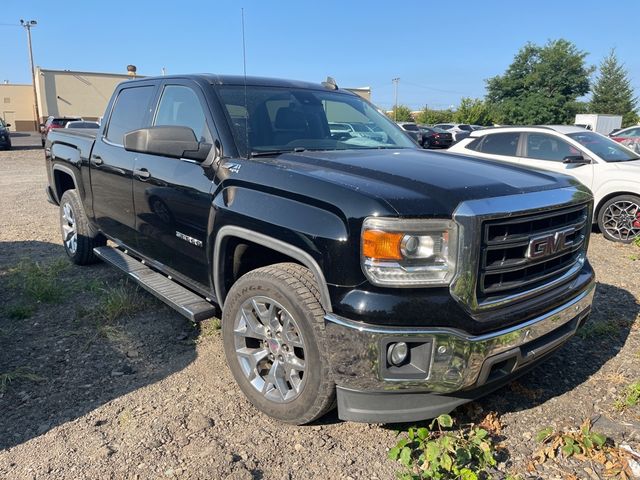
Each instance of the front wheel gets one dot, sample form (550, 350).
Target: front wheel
(272, 328)
(619, 218)
(78, 236)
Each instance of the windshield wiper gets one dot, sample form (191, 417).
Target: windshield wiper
(271, 153)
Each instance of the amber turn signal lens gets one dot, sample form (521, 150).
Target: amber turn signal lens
(381, 245)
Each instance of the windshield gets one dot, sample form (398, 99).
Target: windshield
(605, 148)
(287, 119)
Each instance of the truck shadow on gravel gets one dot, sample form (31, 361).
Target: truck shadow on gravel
(74, 338)
(602, 338)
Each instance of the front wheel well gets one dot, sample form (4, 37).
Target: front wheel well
(239, 250)
(242, 256)
(596, 210)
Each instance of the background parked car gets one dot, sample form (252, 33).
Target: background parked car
(458, 130)
(5, 136)
(413, 131)
(356, 129)
(55, 122)
(629, 137)
(82, 124)
(434, 137)
(609, 169)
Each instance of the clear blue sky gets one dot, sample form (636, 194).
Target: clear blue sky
(441, 50)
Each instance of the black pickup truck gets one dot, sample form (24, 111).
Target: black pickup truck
(394, 282)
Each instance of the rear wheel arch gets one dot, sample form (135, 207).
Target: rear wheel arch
(606, 198)
(225, 248)
(63, 179)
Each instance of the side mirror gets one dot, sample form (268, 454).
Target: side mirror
(167, 141)
(8, 124)
(575, 159)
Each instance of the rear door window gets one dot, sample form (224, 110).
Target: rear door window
(541, 146)
(500, 144)
(129, 112)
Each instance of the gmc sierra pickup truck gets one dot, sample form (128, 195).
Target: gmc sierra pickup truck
(367, 273)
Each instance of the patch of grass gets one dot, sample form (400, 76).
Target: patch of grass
(583, 444)
(39, 281)
(442, 452)
(121, 301)
(20, 373)
(209, 328)
(630, 397)
(599, 329)
(636, 241)
(19, 312)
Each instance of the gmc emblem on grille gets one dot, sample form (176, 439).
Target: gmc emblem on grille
(550, 244)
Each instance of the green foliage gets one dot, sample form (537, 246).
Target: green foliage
(401, 113)
(473, 111)
(541, 86)
(19, 373)
(429, 116)
(583, 443)
(440, 453)
(120, 301)
(599, 329)
(630, 397)
(39, 281)
(636, 241)
(612, 91)
(20, 312)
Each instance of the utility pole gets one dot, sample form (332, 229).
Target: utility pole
(28, 24)
(395, 108)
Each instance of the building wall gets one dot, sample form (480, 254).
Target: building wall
(17, 107)
(70, 94)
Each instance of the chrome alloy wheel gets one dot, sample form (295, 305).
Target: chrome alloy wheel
(270, 349)
(69, 228)
(621, 220)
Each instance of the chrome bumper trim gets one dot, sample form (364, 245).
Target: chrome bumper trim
(457, 359)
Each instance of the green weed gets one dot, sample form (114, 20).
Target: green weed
(19, 312)
(19, 373)
(630, 397)
(441, 452)
(39, 281)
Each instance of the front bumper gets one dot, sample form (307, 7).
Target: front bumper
(441, 362)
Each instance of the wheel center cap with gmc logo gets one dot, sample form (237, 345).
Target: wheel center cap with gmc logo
(550, 244)
(274, 345)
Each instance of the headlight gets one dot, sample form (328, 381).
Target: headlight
(409, 253)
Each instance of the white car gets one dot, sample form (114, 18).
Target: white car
(459, 131)
(609, 169)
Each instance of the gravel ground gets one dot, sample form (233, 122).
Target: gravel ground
(148, 395)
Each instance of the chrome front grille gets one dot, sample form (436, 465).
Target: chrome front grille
(524, 253)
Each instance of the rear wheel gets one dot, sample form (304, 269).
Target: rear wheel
(619, 218)
(274, 343)
(78, 236)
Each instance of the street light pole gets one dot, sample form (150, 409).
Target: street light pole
(395, 108)
(28, 24)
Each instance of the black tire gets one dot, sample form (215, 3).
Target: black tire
(295, 289)
(86, 236)
(625, 229)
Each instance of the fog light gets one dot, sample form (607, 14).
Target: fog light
(397, 353)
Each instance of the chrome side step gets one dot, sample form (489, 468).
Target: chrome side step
(189, 304)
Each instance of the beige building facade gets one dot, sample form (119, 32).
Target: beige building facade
(17, 107)
(65, 93)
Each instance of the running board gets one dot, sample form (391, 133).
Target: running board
(189, 304)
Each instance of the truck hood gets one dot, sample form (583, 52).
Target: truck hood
(419, 182)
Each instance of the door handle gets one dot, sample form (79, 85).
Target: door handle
(97, 159)
(141, 173)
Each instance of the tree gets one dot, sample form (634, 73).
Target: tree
(474, 111)
(429, 116)
(541, 85)
(401, 113)
(612, 91)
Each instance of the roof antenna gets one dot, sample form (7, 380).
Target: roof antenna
(330, 83)
(246, 108)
